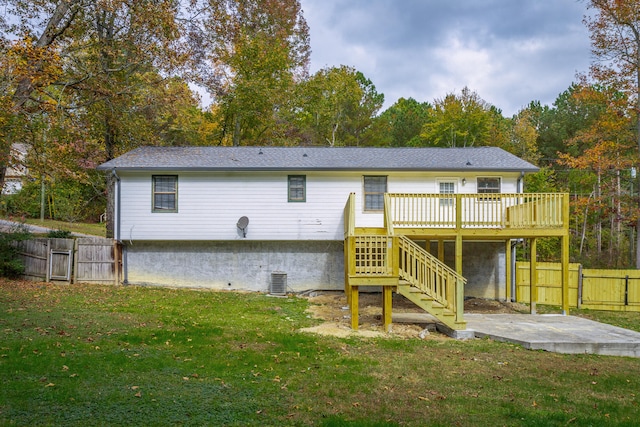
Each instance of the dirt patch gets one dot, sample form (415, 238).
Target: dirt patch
(332, 308)
(487, 306)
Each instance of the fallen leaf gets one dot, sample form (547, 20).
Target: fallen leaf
(50, 385)
(65, 368)
(138, 394)
(135, 387)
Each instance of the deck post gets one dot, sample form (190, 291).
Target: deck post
(565, 275)
(441, 250)
(347, 250)
(565, 255)
(459, 301)
(507, 260)
(354, 307)
(387, 307)
(533, 275)
(459, 254)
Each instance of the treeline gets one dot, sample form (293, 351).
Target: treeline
(85, 81)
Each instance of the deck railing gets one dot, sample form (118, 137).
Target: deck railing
(350, 216)
(373, 256)
(490, 210)
(432, 277)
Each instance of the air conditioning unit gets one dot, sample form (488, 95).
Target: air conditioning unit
(278, 283)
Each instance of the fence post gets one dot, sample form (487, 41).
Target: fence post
(626, 290)
(47, 274)
(580, 278)
(533, 276)
(74, 274)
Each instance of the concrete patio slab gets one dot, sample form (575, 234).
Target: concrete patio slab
(549, 332)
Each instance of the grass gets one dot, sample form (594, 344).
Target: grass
(74, 227)
(622, 319)
(79, 354)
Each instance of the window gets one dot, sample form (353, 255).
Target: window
(374, 189)
(165, 193)
(447, 187)
(488, 185)
(297, 188)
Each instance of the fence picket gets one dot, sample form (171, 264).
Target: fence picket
(82, 260)
(597, 289)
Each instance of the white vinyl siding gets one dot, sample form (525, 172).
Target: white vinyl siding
(210, 204)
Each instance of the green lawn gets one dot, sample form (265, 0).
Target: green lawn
(75, 227)
(99, 355)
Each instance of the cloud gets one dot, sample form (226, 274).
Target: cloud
(509, 52)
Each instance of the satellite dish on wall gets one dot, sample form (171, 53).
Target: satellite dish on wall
(243, 222)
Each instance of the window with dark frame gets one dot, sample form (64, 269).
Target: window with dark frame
(165, 193)
(297, 188)
(489, 185)
(374, 189)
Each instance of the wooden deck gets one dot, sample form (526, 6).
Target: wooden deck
(388, 257)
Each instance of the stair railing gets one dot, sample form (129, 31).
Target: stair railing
(434, 278)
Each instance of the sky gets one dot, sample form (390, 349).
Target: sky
(510, 52)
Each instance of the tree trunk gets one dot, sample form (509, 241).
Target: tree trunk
(638, 146)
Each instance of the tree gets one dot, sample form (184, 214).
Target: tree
(85, 71)
(338, 105)
(258, 50)
(615, 38)
(606, 154)
(459, 121)
(400, 125)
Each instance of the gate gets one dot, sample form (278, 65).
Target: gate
(82, 260)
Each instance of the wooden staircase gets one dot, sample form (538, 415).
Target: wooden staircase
(430, 284)
(378, 257)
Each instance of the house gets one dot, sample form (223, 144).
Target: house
(16, 171)
(327, 218)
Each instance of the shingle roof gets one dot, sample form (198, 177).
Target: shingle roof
(318, 158)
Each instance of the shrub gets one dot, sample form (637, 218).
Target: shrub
(59, 234)
(11, 265)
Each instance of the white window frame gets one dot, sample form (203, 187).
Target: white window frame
(449, 201)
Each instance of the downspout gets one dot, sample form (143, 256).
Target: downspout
(116, 226)
(514, 244)
(116, 208)
(520, 183)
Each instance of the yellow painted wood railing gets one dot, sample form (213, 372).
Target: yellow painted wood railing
(491, 210)
(350, 216)
(373, 256)
(434, 278)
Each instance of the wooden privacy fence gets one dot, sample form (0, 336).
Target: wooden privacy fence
(82, 260)
(597, 289)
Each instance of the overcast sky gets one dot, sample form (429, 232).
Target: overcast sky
(510, 52)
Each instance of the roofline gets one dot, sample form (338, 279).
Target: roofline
(313, 169)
